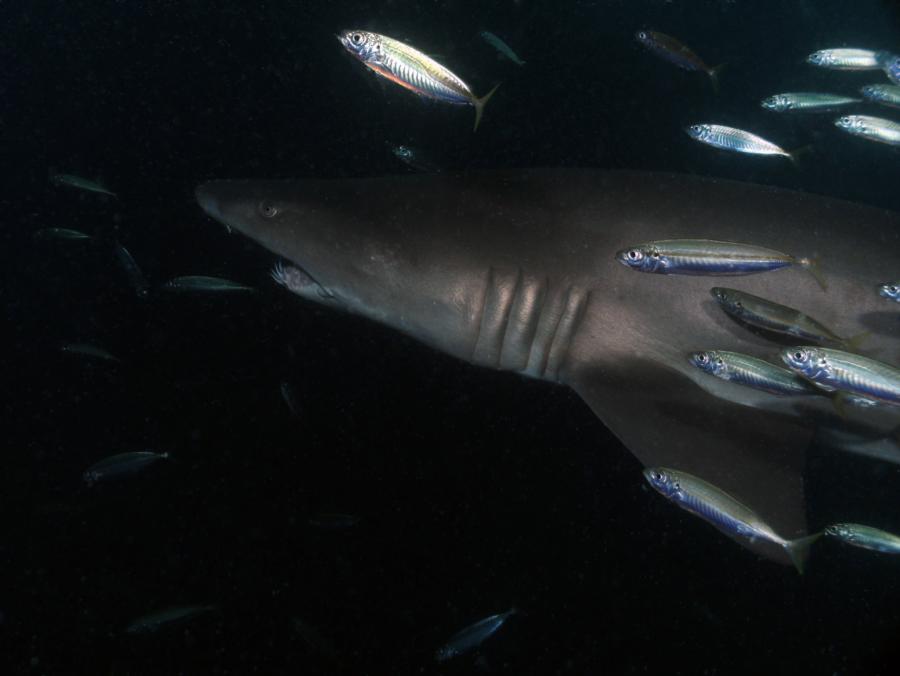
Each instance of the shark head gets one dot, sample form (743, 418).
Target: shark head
(342, 254)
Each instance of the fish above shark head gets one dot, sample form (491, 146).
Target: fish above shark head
(517, 270)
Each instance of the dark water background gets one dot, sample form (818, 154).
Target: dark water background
(477, 491)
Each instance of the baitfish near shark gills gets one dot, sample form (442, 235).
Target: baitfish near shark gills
(516, 270)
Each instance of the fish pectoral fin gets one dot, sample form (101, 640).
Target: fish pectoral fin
(667, 420)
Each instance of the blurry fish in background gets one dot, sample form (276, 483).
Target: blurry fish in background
(709, 257)
(333, 521)
(204, 284)
(872, 128)
(473, 636)
(736, 140)
(886, 95)
(415, 158)
(675, 52)
(771, 316)
(846, 59)
(890, 290)
(412, 69)
(839, 371)
(80, 183)
(722, 511)
(890, 64)
(810, 102)
(148, 624)
(88, 350)
(290, 398)
(130, 266)
(501, 47)
(752, 372)
(121, 465)
(865, 537)
(60, 233)
(883, 448)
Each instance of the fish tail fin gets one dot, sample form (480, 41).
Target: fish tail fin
(798, 550)
(853, 342)
(795, 154)
(714, 76)
(480, 103)
(812, 264)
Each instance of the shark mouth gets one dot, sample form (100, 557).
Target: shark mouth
(299, 281)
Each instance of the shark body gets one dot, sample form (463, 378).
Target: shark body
(516, 270)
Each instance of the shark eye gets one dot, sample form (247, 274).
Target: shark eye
(268, 209)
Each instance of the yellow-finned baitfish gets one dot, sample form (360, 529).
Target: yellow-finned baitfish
(806, 102)
(203, 284)
(771, 316)
(845, 372)
(723, 511)
(736, 140)
(80, 183)
(501, 47)
(886, 95)
(890, 290)
(473, 636)
(866, 537)
(871, 128)
(412, 70)
(121, 465)
(709, 257)
(752, 372)
(845, 58)
(674, 51)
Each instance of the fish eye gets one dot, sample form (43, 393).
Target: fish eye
(799, 355)
(702, 358)
(268, 209)
(634, 255)
(356, 38)
(893, 288)
(642, 35)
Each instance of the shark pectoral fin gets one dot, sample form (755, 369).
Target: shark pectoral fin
(667, 420)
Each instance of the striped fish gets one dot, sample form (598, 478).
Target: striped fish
(724, 512)
(812, 102)
(674, 51)
(886, 95)
(845, 372)
(846, 59)
(412, 70)
(752, 372)
(735, 140)
(871, 128)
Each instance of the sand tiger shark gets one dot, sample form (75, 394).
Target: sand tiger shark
(516, 270)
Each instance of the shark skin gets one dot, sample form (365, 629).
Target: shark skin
(516, 270)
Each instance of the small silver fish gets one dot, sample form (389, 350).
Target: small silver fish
(887, 95)
(676, 52)
(415, 158)
(472, 636)
(290, 398)
(60, 233)
(709, 257)
(501, 47)
(891, 291)
(131, 268)
(871, 128)
(838, 371)
(735, 140)
(724, 512)
(412, 70)
(752, 372)
(333, 521)
(121, 465)
(81, 183)
(811, 102)
(148, 624)
(204, 284)
(846, 59)
(88, 351)
(299, 281)
(766, 314)
(866, 537)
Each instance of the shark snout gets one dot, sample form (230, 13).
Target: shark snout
(208, 201)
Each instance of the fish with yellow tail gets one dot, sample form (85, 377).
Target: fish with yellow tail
(724, 512)
(412, 70)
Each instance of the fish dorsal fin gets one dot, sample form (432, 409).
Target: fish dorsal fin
(667, 420)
